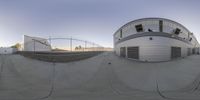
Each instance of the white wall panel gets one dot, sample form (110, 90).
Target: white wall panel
(7, 50)
(36, 44)
(158, 49)
(153, 24)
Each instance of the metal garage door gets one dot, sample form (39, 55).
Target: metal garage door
(133, 52)
(123, 51)
(189, 51)
(193, 51)
(175, 52)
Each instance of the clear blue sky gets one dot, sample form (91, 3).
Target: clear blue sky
(93, 20)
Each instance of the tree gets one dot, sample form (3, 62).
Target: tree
(78, 47)
(17, 46)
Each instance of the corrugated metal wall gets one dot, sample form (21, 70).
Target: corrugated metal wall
(157, 49)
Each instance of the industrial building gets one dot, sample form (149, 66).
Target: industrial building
(36, 44)
(154, 40)
(7, 50)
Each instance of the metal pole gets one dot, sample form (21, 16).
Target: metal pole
(34, 45)
(85, 45)
(50, 41)
(71, 44)
(93, 46)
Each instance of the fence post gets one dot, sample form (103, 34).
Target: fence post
(85, 45)
(93, 46)
(71, 44)
(50, 41)
(34, 46)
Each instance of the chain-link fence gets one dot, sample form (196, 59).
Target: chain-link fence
(59, 49)
(61, 45)
(73, 45)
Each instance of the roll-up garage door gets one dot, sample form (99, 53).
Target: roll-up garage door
(123, 51)
(189, 51)
(133, 52)
(175, 52)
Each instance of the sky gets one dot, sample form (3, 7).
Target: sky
(91, 20)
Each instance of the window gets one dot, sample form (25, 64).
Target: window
(161, 26)
(121, 33)
(139, 28)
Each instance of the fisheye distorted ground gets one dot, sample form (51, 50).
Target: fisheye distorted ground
(103, 77)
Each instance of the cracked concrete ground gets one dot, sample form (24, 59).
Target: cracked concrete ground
(103, 77)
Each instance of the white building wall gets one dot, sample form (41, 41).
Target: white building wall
(36, 44)
(158, 49)
(153, 24)
(7, 50)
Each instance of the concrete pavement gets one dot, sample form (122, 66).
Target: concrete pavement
(103, 77)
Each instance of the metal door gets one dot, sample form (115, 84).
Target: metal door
(123, 51)
(175, 52)
(189, 51)
(133, 52)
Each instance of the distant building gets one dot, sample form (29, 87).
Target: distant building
(7, 50)
(36, 44)
(107, 49)
(154, 39)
